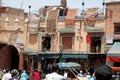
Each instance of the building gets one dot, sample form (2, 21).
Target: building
(57, 33)
(11, 29)
(78, 36)
(113, 33)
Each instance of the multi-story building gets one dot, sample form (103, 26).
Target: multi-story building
(57, 33)
(12, 32)
(113, 32)
(78, 36)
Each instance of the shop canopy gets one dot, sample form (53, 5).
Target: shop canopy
(113, 54)
(82, 56)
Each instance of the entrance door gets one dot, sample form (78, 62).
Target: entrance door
(67, 43)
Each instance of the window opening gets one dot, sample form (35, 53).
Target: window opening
(95, 44)
(117, 28)
(62, 12)
(46, 45)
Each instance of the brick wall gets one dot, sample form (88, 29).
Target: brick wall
(112, 16)
(70, 18)
(51, 21)
(12, 14)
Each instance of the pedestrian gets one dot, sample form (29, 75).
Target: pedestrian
(1, 74)
(91, 70)
(7, 75)
(65, 74)
(103, 72)
(36, 75)
(23, 76)
(49, 67)
(15, 74)
(54, 75)
(81, 73)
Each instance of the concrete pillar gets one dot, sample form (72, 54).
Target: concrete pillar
(103, 44)
(25, 30)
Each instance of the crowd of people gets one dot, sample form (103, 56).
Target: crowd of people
(102, 72)
(12, 74)
(16, 74)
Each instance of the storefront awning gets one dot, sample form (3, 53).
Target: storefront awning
(66, 30)
(113, 54)
(114, 50)
(95, 29)
(82, 56)
(29, 51)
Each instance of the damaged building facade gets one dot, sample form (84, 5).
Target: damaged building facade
(71, 36)
(113, 34)
(57, 34)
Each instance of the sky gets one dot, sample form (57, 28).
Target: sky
(36, 4)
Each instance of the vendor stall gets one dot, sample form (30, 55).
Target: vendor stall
(113, 57)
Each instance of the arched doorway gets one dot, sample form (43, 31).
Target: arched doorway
(9, 58)
(15, 57)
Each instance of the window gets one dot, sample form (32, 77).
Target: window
(46, 45)
(95, 44)
(116, 28)
(62, 12)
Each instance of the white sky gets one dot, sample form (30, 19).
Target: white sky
(36, 4)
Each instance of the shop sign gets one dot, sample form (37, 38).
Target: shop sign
(109, 39)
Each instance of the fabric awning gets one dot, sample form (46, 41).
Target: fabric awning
(95, 29)
(67, 30)
(29, 51)
(82, 56)
(113, 54)
(114, 50)
(112, 59)
(48, 55)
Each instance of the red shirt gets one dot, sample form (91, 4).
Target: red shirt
(36, 76)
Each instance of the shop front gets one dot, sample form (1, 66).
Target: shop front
(48, 59)
(113, 57)
(96, 59)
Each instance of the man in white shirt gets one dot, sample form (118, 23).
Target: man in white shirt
(7, 75)
(65, 75)
(54, 75)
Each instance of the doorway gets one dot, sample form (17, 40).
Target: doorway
(9, 58)
(14, 57)
(95, 44)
